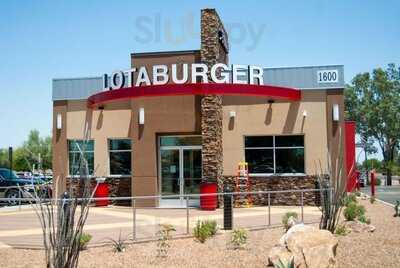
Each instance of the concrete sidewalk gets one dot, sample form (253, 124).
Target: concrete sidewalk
(22, 228)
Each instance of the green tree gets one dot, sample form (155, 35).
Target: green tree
(4, 163)
(36, 151)
(372, 163)
(373, 101)
(20, 162)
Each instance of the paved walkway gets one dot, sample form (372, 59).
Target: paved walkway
(22, 228)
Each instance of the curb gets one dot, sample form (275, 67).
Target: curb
(381, 201)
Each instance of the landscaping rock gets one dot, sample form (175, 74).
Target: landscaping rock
(318, 247)
(292, 221)
(359, 227)
(308, 246)
(278, 253)
(296, 228)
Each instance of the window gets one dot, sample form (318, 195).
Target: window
(120, 156)
(180, 140)
(75, 149)
(275, 154)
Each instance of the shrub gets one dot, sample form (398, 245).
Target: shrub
(239, 238)
(204, 230)
(84, 240)
(364, 219)
(286, 217)
(350, 198)
(341, 230)
(164, 235)
(353, 211)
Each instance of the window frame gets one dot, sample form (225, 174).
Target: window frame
(273, 148)
(69, 152)
(118, 151)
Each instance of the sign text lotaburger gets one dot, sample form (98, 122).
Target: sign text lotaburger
(162, 74)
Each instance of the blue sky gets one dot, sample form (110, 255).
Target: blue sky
(41, 40)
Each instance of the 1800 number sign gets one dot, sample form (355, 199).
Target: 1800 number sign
(328, 76)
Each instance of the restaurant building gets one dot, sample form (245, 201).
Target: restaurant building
(163, 126)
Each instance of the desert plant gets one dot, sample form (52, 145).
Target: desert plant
(349, 198)
(362, 218)
(84, 240)
(341, 230)
(62, 219)
(285, 218)
(212, 226)
(119, 245)
(372, 199)
(239, 238)
(164, 236)
(204, 230)
(397, 209)
(333, 189)
(354, 211)
(281, 264)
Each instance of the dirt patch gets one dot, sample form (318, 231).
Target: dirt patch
(378, 249)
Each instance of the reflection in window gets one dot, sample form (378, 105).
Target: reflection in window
(120, 151)
(180, 140)
(275, 154)
(80, 151)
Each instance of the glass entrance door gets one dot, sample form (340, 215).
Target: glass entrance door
(180, 169)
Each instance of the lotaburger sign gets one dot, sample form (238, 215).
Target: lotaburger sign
(162, 74)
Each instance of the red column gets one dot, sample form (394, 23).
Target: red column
(350, 140)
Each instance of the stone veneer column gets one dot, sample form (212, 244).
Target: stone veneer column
(212, 51)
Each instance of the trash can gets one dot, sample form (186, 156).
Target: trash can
(208, 202)
(101, 192)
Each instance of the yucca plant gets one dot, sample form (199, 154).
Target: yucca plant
(119, 245)
(62, 219)
(164, 236)
(281, 264)
(333, 190)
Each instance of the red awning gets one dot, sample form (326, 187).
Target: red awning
(274, 92)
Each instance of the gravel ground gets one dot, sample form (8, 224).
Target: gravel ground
(378, 249)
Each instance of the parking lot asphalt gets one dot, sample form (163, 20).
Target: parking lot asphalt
(388, 194)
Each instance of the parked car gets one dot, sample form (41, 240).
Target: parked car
(362, 179)
(11, 184)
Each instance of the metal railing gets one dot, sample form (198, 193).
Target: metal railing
(145, 219)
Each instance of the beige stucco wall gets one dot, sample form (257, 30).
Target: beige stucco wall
(255, 116)
(112, 122)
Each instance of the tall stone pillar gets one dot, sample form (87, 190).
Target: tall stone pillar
(214, 49)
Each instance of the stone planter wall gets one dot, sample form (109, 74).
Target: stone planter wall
(279, 183)
(118, 187)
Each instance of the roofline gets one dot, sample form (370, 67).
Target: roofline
(162, 53)
(77, 78)
(305, 66)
